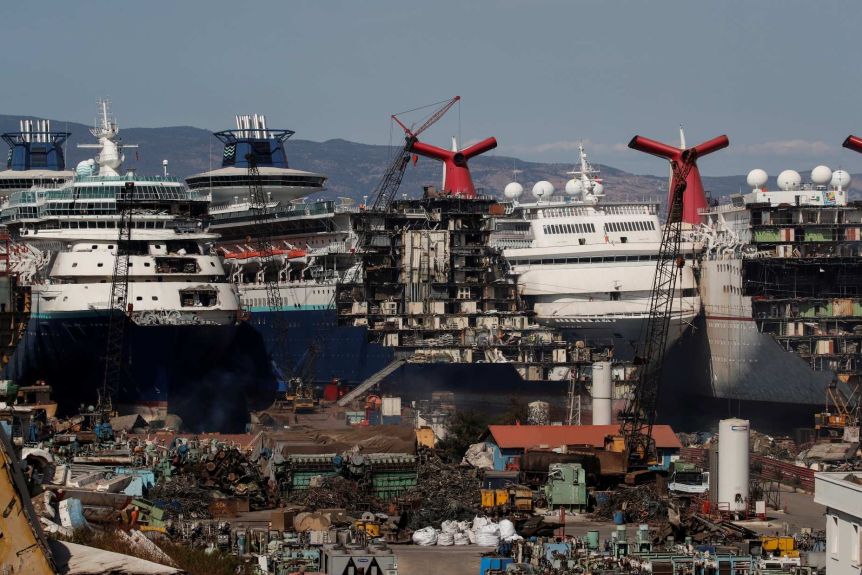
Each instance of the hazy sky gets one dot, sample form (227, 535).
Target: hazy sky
(782, 78)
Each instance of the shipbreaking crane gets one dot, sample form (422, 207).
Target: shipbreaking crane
(385, 191)
(638, 417)
(118, 306)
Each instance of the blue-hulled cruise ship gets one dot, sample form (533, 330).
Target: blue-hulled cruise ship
(182, 312)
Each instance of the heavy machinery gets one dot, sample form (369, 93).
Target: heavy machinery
(385, 191)
(637, 419)
(23, 548)
(688, 479)
(118, 307)
(566, 486)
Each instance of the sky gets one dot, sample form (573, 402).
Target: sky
(782, 78)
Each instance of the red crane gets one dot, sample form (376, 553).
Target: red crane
(388, 186)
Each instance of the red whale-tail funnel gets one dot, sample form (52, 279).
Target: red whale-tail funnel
(854, 143)
(694, 198)
(456, 173)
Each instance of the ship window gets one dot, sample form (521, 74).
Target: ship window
(139, 298)
(146, 264)
(74, 264)
(100, 264)
(624, 239)
(94, 246)
(155, 298)
(212, 264)
(615, 295)
(582, 241)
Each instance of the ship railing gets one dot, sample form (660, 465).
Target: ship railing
(128, 178)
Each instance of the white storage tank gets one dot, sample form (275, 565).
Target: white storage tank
(603, 393)
(538, 413)
(733, 464)
(391, 406)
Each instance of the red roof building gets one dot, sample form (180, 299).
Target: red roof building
(550, 436)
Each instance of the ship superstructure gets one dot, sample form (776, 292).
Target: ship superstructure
(181, 309)
(586, 265)
(780, 278)
(416, 282)
(36, 157)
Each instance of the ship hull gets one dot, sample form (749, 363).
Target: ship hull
(345, 353)
(163, 363)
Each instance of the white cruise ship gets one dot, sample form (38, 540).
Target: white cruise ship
(182, 311)
(587, 266)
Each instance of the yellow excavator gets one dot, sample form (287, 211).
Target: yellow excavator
(23, 549)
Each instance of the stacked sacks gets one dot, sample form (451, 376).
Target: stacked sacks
(481, 531)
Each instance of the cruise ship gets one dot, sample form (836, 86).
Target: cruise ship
(414, 343)
(182, 311)
(585, 265)
(779, 284)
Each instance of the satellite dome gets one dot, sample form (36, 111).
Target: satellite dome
(513, 190)
(574, 187)
(543, 189)
(840, 179)
(821, 175)
(789, 180)
(757, 178)
(598, 188)
(85, 168)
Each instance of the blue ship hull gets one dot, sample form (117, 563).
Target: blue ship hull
(345, 353)
(165, 364)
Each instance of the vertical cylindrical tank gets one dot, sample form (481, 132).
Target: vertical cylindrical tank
(733, 464)
(538, 413)
(603, 393)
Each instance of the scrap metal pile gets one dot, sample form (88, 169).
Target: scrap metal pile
(443, 492)
(228, 471)
(640, 504)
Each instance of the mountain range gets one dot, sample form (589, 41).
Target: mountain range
(354, 169)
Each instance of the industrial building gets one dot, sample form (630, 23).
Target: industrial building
(841, 493)
(508, 443)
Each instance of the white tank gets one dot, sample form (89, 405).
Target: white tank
(574, 187)
(821, 175)
(757, 178)
(543, 189)
(789, 180)
(513, 190)
(733, 462)
(840, 180)
(603, 393)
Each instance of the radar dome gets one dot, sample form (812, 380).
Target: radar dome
(821, 175)
(789, 180)
(574, 187)
(840, 179)
(757, 178)
(513, 190)
(598, 188)
(543, 189)
(86, 168)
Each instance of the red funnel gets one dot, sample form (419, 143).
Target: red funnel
(694, 198)
(456, 173)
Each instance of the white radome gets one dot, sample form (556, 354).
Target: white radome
(513, 190)
(789, 180)
(821, 175)
(543, 189)
(757, 178)
(574, 187)
(598, 188)
(840, 180)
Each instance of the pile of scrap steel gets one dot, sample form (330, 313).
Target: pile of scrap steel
(228, 472)
(639, 504)
(443, 492)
